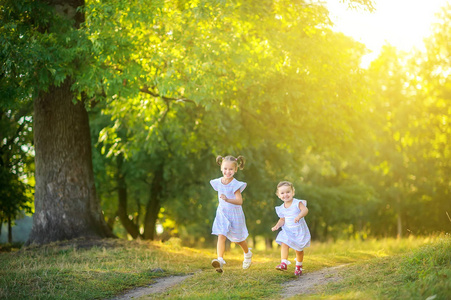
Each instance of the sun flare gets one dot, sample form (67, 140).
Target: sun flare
(401, 23)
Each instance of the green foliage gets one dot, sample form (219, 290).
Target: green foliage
(39, 47)
(172, 84)
(14, 196)
(410, 121)
(219, 78)
(16, 137)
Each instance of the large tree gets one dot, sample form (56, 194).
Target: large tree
(40, 50)
(66, 204)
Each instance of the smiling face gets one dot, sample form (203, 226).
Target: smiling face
(228, 169)
(285, 193)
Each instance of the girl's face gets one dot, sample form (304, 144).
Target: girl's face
(228, 169)
(285, 193)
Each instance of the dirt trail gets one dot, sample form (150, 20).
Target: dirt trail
(307, 283)
(159, 286)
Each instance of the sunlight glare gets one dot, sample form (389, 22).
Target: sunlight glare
(401, 23)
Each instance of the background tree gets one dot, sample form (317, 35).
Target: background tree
(16, 164)
(432, 154)
(388, 82)
(288, 64)
(411, 154)
(16, 148)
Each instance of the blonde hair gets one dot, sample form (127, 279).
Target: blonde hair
(284, 183)
(238, 161)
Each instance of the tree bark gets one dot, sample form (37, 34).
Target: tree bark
(66, 204)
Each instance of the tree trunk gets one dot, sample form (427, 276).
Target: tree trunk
(268, 243)
(325, 232)
(111, 221)
(128, 224)
(153, 206)
(399, 227)
(399, 218)
(10, 231)
(66, 204)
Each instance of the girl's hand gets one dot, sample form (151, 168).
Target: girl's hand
(274, 228)
(223, 197)
(297, 219)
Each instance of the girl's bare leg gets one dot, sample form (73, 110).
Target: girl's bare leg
(244, 246)
(284, 251)
(247, 255)
(300, 256)
(221, 245)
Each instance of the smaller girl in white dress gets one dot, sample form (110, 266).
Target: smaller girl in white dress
(229, 221)
(295, 233)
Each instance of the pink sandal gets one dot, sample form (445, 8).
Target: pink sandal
(282, 267)
(298, 271)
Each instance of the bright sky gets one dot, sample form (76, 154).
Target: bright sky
(401, 23)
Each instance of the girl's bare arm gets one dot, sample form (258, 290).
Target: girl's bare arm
(303, 213)
(238, 198)
(279, 224)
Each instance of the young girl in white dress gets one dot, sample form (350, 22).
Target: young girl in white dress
(295, 233)
(229, 222)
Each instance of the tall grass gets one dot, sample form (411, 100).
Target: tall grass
(421, 273)
(66, 271)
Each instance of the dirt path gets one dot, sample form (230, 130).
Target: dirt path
(307, 283)
(159, 286)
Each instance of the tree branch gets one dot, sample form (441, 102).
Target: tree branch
(146, 90)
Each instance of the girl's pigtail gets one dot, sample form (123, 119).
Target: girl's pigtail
(219, 159)
(241, 161)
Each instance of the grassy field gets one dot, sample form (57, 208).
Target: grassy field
(414, 268)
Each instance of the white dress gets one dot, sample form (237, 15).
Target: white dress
(295, 235)
(229, 220)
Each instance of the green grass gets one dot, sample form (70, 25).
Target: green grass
(414, 268)
(422, 273)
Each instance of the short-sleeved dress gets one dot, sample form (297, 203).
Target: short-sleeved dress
(295, 235)
(229, 220)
